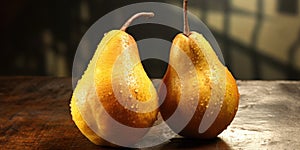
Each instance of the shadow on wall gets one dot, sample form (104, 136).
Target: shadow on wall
(259, 39)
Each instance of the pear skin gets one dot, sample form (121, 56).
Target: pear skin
(204, 60)
(204, 81)
(108, 94)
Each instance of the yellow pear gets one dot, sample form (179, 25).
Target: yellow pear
(114, 102)
(198, 87)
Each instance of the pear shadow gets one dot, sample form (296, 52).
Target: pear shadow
(190, 143)
(76, 143)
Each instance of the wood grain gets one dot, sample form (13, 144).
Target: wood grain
(35, 114)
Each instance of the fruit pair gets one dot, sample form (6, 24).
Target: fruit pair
(115, 78)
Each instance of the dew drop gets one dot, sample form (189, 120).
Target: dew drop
(132, 106)
(136, 90)
(109, 93)
(125, 46)
(121, 91)
(194, 83)
(130, 96)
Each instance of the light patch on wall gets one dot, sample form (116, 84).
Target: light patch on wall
(61, 64)
(84, 11)
(245, 5)
(49, 53)
(215, 21)
(241, 28)
(270, 7)
(275, 39)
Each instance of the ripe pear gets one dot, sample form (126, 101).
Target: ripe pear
(198, 87)
(115, 96)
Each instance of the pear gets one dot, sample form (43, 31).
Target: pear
(114, 102)
(199, 88)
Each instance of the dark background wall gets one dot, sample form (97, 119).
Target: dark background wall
(258, 41)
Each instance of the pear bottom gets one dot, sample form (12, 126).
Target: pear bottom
(224, 118)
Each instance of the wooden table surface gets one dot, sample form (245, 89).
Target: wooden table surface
(35, 114)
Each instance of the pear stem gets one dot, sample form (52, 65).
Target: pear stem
(186, 27)
(131, 19)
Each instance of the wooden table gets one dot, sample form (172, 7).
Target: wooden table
(35, 114)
